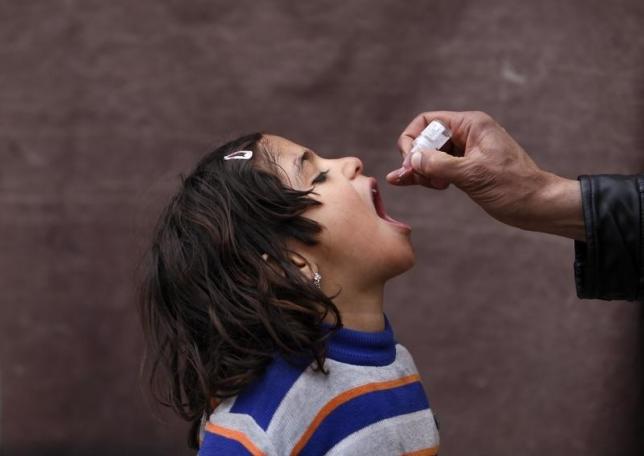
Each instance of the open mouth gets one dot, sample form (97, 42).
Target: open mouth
(380, 207)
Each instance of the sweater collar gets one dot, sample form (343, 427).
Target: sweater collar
(361, 347)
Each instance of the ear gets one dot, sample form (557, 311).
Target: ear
(296, 259)
(303, 264)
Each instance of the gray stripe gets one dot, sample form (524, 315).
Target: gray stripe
(397, 435)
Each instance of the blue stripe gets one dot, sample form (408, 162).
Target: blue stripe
(216, 445)
(362, 411)
(261, 399)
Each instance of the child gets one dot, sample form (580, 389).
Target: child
(263, 308)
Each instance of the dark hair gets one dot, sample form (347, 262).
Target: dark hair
(215, 312)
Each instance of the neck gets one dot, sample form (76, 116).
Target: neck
(362, 310)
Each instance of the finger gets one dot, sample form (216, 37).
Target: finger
(401, 176)
(435, 164)
(405, 177)
(439, 184)
(395, 176)
(410, 133)
(430, 182)
(417, 179)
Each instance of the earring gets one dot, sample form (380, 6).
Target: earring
(316, 279)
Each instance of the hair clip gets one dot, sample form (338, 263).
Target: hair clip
(240, 155)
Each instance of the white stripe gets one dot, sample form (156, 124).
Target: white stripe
(246, 425)
(397, 435)
(225, 405)
(313, 390)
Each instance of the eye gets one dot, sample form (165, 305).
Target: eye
(320, 177)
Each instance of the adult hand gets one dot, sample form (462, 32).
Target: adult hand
(495, 172)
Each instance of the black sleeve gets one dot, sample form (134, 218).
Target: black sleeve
(609, 264)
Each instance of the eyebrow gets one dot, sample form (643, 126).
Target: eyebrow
(299, 161)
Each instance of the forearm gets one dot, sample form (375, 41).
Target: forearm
(604, 215)
(557, 208)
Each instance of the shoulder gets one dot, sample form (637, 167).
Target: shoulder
(235, 439)
(404, 360)
(321, 411)
(262, 398)
(238, 425)
(299, 408)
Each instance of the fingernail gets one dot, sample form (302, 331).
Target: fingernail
(393, 174)
(404, 172)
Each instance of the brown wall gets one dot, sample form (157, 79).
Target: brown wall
(103, 104)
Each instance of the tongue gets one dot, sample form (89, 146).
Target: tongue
(390, 219)
(380, 210)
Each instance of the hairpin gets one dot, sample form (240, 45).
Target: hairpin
(240, 155)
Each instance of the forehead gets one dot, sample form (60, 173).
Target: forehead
(283, 150)
(286, 154)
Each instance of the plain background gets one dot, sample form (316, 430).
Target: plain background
(104, 104)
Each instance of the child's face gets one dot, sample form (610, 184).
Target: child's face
(357, 246)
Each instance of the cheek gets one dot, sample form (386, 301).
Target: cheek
(352, 232)
(346, 219)
(340, 205)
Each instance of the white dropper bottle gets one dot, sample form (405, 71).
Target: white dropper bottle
(434, 136)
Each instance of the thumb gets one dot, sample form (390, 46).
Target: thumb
(434, 163)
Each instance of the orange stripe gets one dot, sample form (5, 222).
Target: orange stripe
(423, 452)
(347, 396)
(235, 435)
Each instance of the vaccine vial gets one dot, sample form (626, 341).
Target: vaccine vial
(436, 135)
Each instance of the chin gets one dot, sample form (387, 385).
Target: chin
(411, 261)
(403, 262)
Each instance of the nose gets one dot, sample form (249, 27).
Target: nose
(352, 166)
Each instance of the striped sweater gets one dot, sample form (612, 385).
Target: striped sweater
(372, 403)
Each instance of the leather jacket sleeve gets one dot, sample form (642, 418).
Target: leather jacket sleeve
(609, 264)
